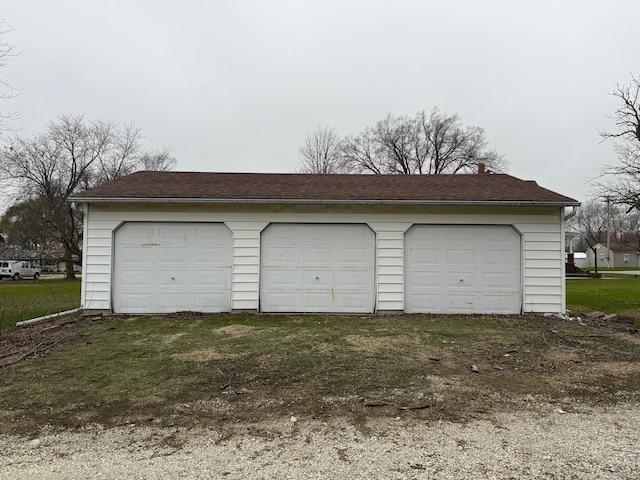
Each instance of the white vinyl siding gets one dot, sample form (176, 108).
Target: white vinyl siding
(246, 264)
(96, 265)
(390, 265)
(543, 251)
(541, 230)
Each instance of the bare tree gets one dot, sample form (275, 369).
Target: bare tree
(451, 147)
(158, 160)
(121, 151)
(598, 220)
(392, 146)
(624, 177)
(71, 155)
(6, 90)
(50, 167)
(631, 230)
(320, 153)
(361, 153)
(433, 143)
(590, 221)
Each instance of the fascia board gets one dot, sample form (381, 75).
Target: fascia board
(321, 201)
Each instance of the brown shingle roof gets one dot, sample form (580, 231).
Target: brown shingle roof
(291, 187)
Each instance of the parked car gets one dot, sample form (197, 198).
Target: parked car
(18, 269)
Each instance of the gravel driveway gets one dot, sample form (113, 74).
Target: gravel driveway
(545, 443)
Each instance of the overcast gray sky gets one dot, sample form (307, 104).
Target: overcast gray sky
(237, 85)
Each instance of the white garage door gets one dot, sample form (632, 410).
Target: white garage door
(462, 269)
(317, 268)
(171, 267)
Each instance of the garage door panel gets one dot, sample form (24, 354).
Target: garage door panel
(139, 237)
(317, 255)
(137, 256)
(168, 267)
(460, 303)
(207, 236)
(318, 301)
(209, 257)
(284, 301)
(352, 256)
(349, 279)
(280, 278)
(432, 237)
(498, 257)
(311, 233)
(169, 237)
(211, 279)
(135, 303)
(351, 300)
(424, 256)
(503, 261)
(317, 277)
(460, 256)
(328, 268)
(460, 281)
(137, 279)
(173, 255)
(174, 232)
(202, 300)
(426, 279)
(498, 303)
(472, 268)
(174, 302)
(426, 302)
(280, 254)
(498, 281)
(172, 280)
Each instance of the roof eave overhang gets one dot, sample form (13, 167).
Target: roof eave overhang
(292, 201)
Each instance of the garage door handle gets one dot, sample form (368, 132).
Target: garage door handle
(462, 279)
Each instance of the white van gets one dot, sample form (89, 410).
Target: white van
(18, 269)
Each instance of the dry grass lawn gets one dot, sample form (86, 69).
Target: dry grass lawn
(212, 371)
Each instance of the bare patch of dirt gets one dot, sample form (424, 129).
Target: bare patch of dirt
(324, 349)
(617, 368)
(562, 355)
(373, 344)
(235, 329)
(174, 337)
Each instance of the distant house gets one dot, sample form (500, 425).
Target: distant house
(159, 242)
(617, 256)
(47, 259)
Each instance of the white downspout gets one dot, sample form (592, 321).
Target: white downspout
(574, 210)
(567, 216)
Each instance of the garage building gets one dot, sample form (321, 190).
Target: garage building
(160, 242)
